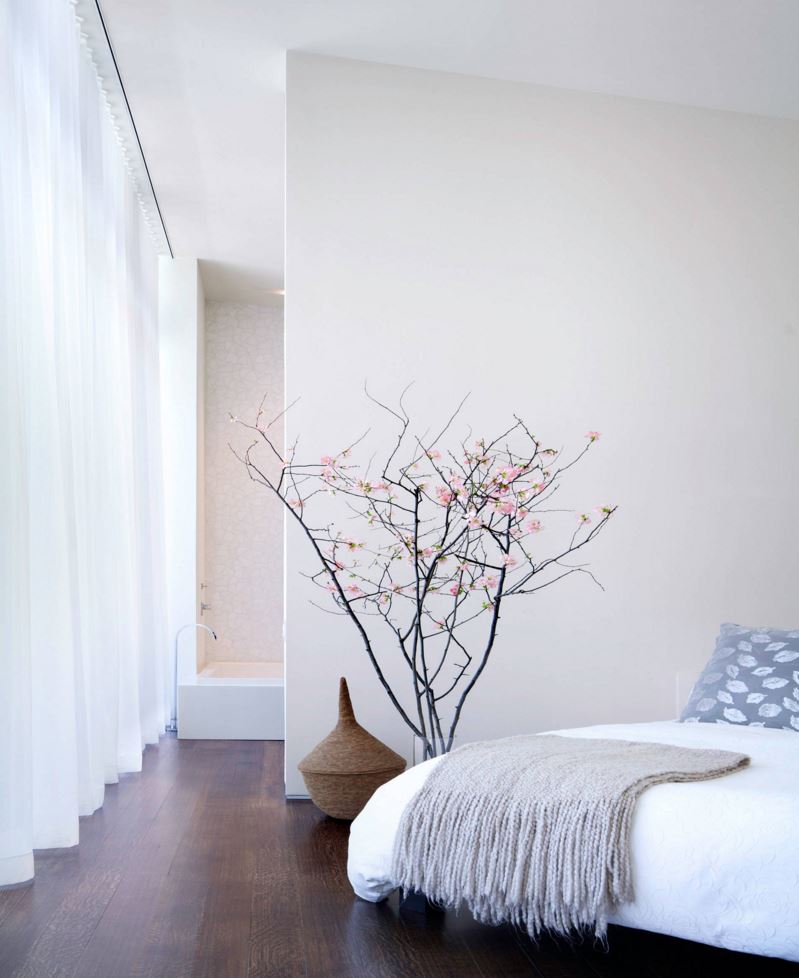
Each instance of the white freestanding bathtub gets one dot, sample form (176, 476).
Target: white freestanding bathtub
(232, 701)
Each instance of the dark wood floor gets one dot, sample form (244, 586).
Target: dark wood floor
(198, 867)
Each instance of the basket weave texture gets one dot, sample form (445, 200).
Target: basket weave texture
(345, 769)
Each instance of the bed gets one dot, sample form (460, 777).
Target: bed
(714, 861)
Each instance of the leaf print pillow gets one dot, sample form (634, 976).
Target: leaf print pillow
(752, 679)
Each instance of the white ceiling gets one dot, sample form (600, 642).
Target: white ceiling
(205, 82)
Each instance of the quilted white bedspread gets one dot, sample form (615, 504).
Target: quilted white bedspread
(713, 861)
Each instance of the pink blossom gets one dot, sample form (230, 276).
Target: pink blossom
(603, 510)
(354, 590)
(455, 589)
(382, 486)
(328, 460)
(295, 503)
(510, 561)
(592, 435)
(507, 473)
(434, 454)
(522, 513)
(491, 581)
(583, 518)
(534, 526)
(330, 586)
(445, 496)
(396, 587)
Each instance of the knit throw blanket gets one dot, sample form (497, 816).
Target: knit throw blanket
(535, 830)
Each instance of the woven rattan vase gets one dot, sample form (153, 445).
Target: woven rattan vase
(349, 765)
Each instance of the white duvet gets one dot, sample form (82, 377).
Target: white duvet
(713, 861)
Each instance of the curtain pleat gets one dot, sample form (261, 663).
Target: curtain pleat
(83, 645)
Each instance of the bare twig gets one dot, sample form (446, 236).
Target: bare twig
(463, 538)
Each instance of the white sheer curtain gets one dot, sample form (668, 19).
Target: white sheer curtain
(83, 645)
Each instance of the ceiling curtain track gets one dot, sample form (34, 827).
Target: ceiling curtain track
(95, 39)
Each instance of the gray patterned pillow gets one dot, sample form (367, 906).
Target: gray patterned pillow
(752, 678)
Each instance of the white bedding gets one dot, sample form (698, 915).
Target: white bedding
(713, 861)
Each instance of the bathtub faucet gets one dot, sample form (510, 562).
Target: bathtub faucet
(172, 726)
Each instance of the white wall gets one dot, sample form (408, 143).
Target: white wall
(244, 524)
(201, 637)
(181, 314)
(589, 262)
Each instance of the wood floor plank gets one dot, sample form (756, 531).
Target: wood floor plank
(441, 950)
(58, 948)
(318, 843)
(380, 928)
(277, 928)
(558, 959)
(117, 938)
(27, 910)
(277, 944)
(491, 944)
(198, 868)
(231, 827)
(169, 946)
(59, 922)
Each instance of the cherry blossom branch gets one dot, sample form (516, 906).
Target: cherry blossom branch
(451, 534)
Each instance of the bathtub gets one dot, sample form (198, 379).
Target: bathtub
(232, 701)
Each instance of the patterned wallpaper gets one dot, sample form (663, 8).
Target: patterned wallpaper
(244, 525)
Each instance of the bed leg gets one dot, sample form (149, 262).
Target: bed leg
(413, 901)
